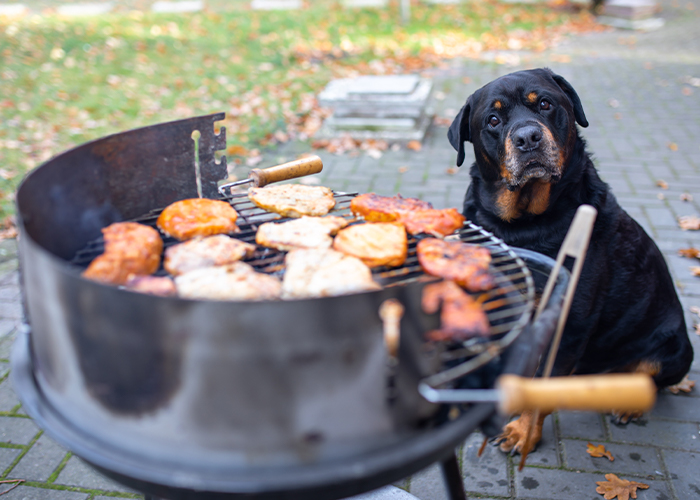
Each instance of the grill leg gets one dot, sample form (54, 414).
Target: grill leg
(453, 478)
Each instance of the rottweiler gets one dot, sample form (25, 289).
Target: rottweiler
(531, 173)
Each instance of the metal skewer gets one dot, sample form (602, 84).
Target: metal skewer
(291, 170)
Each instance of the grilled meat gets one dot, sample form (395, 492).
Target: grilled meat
(323, 272)
(432, 221)
(186, 219)
(377, 208)
(461, 316)
(130, 249)
(293, 200)
(376, 243)
(306, 232)
(152, 285)
(467, 265)
(215, 250)
(237, 281)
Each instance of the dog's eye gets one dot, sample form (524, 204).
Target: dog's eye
(493, 121)
(544, 104)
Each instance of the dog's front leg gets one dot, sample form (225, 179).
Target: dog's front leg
(514, 437)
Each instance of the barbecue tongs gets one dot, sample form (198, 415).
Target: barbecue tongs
(513, 394)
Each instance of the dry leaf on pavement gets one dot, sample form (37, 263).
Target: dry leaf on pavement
(695, 270)
(622, 489)
(685, 385)
(686, 197)
(689, 222)
(599, 451)
(414, 145)
(662, 184)
(689, 252)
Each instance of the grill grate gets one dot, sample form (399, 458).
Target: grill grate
(508, 305)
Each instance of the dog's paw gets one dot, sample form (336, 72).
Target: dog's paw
(625, 417)
(514, 437)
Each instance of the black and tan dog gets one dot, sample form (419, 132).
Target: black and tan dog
(531, 173)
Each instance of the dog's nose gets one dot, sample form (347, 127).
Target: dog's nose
(527, 138)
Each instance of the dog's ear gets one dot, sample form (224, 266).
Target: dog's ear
(459, 131)
(569, 91)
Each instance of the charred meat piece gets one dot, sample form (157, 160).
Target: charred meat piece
(375, 243)
(432, 221)
(467, 265)
(306, 232)
(377, 208)
(152, 285)
(461, 316)
(215, 250)
(323, 272)
(186, 219)
(237, 281)
(130, 249)
(293, 200)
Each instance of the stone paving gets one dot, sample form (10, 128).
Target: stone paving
(640, 94)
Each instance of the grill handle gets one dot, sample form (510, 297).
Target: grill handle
(514, 394)
(260, 177)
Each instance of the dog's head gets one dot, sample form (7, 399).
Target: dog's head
(523, 128)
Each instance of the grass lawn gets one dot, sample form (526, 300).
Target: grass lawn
(64, 81)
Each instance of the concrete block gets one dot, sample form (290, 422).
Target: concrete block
(78, 473)
(682, 407)
(629, 459)
(546, 484)
(487, 474)
(40, 461)
(667, 434)
(7, 456)
(630, 9)
(17, 430)
(276, 4)
(580, 424)
(84, 9)
(31, 493)
(8, 399)
(176, 7)
(428, 484)
(684, 469)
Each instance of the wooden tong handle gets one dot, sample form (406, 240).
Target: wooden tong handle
(621, 392)
(290, 170)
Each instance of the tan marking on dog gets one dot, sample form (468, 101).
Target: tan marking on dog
(647, 367)
(532, 97)
(507, 203)
(498, 104)
(539, 198)
(554, 153)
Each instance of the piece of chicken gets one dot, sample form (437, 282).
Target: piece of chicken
(461, 316)
(216, 250)
(293, 200)
(186, 219)
(437, 222)
(377, 208)
(130, 249)
(152, 285)
(467, 265)
(323, 272)
(375, 243)
(306, 232)
(237, 281)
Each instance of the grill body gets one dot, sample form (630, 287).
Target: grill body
(172, 395)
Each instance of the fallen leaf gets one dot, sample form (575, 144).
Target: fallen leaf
(662, 184)
(615, 487)
(414, 145)
(599, 451)
(672, 146)
(686, 197)
(689, 222)
(687, 91)
(695, 310)
(613, 103)
(697, 328)
(451, 171)
(695, 270)
(685, 385)
(403, 170)
(689, 252)
(660, 196)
